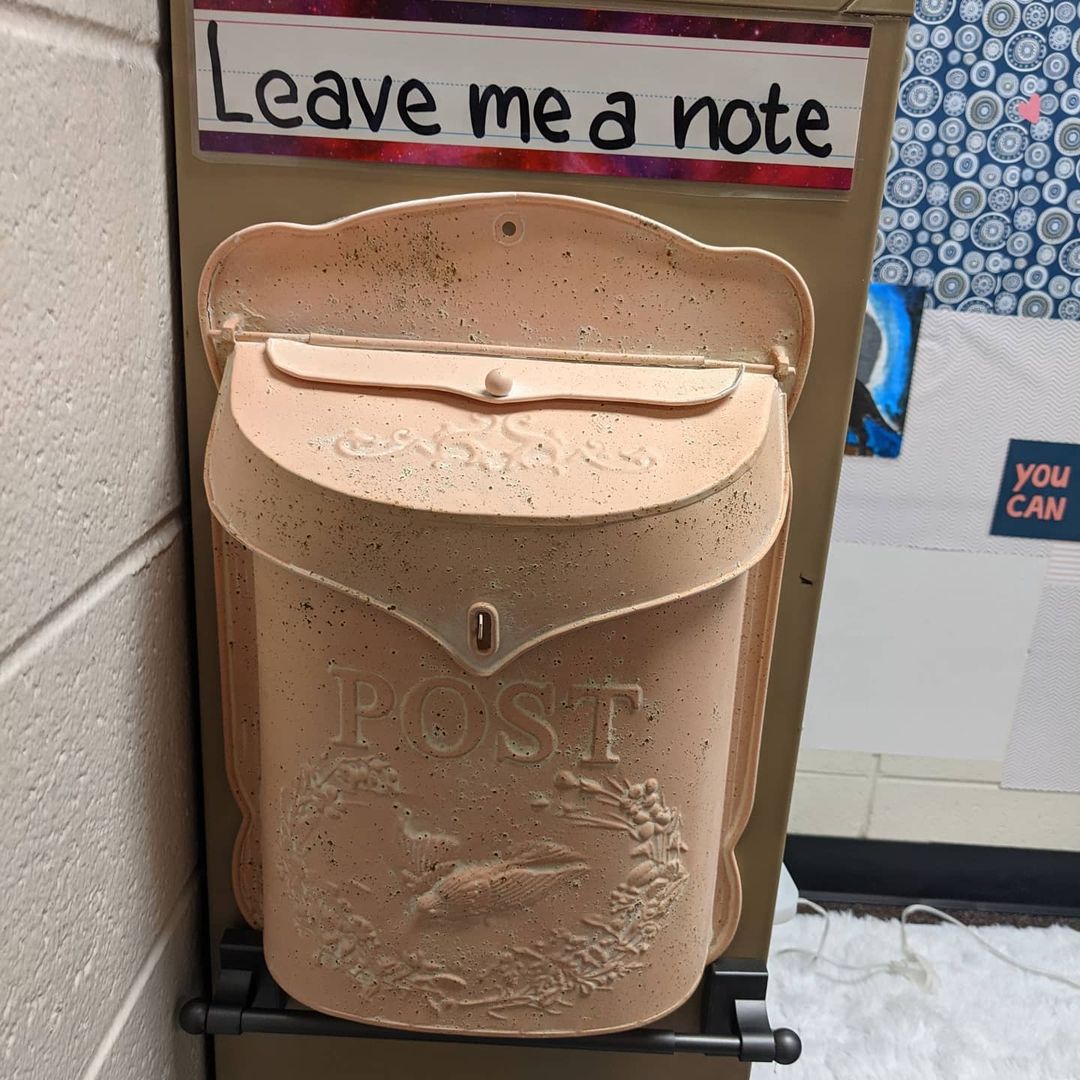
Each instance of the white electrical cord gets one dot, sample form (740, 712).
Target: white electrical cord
(910, 965)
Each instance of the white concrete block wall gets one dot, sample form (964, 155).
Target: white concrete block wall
(894, 797)
(99, 898)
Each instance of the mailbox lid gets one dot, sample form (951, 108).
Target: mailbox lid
(554, 461)
(581, 550)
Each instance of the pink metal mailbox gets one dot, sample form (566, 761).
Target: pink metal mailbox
(501, 486)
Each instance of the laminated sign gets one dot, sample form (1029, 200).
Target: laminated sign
(501, 490)
(1039, 497)
(685, 97)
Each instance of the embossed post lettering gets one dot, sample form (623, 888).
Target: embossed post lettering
(523, 708)
(422, 730)
(533, 724)
(362, 695)
(605, 699)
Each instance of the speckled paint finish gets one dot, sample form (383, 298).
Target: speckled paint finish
(495, 670)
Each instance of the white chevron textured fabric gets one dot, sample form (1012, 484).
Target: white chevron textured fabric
(979, 381)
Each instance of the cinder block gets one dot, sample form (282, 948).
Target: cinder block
(932, 768)
(147, 1042)
(970, 813)
(824, 805)
(90, 390)
(836, 761)
(139, 20)
(96, 781)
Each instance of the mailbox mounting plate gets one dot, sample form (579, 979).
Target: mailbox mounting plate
(734, 1022)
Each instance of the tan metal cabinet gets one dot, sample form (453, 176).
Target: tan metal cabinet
(543, 700)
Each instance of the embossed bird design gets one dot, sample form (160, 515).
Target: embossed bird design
(509, 884)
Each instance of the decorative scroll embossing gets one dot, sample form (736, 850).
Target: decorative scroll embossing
(497, 444)
(548, 975)
(360, 445)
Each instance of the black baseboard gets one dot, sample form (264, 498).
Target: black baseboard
(952, 875)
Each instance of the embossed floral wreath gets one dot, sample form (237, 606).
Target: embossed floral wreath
(546, 975)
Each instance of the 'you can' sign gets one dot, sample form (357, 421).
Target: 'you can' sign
(1040, 491)
(532, 88)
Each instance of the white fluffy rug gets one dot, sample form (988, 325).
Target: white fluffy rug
(983, 1021)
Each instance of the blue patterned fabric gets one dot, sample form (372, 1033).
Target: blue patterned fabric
(982, 202)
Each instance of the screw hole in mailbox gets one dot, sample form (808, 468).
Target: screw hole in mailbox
(508, 229)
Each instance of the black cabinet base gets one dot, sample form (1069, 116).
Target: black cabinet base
(734, 1023)
(967, 876)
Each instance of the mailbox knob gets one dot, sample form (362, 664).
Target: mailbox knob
(499, 382)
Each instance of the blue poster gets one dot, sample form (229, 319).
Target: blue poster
(982, 197)
(883, 379)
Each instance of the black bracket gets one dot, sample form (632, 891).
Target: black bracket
(733, 1001)
(734, 1022)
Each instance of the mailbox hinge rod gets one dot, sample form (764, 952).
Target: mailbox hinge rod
(734, 1023)
(228, 335)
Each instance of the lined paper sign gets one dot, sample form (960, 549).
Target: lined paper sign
(536, 89)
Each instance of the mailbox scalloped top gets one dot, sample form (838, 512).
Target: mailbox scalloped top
(548, 274)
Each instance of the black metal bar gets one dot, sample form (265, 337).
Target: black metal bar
(302, 1022)
(196, 1019)
(734, 1021)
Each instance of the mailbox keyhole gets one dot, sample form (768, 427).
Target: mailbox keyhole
(484, 629)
